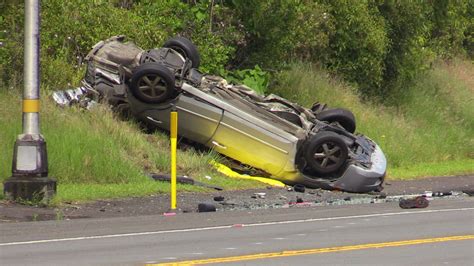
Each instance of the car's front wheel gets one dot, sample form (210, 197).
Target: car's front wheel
(326, 153)
(152, 83)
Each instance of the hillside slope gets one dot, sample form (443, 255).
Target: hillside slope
(431, 132)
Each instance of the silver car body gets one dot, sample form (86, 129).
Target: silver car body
(234, 121)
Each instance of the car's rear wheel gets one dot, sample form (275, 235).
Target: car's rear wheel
(326, 153)
(152, 83)
(186, 48)
(342, 116)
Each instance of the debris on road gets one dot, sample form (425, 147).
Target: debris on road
(469, 192)
(259, 195)
(206, 207)
(183, 180)
(299, 188)
(442, 194)
(416, 202)
(218, 198)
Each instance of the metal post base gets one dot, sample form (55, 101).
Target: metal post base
(36, 189)
(30, 171)
(30, 158)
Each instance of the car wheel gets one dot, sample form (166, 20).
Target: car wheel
(186, 48)
(326, 153)
(152, 83)
(344, 117)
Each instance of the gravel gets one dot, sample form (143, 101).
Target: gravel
(267, 198)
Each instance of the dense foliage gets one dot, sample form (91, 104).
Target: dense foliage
(379, 45)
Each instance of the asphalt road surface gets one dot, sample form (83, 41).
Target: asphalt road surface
(365, 234)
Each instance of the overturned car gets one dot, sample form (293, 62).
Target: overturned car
(314, 146)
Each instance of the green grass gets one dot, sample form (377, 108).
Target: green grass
(94, 155)
(430, 133)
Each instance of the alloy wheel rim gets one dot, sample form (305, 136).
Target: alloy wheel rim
(327, 155)
(152, 86)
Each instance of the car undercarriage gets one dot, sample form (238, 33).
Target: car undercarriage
(316, 146)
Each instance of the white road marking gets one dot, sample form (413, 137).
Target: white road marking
(351, 223)
(258, 243)
(231, 248)
(338, 226)
(169, 258)
(323, 230)
(196, 253)
(231, 226)
(279, 238)
(301, 234)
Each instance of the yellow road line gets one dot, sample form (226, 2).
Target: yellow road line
(291, 253)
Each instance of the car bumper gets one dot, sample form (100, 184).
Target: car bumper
(359, 179)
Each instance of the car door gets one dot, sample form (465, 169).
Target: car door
(197, 119)
(251, 141)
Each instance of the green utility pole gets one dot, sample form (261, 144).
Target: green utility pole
(30, 179)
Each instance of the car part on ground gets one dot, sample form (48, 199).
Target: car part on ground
(206, 207)
(219, 198)
(416, 202)
(183, 180)
(299, 188)
(315, 147)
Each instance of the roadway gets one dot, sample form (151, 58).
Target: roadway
(365, 234)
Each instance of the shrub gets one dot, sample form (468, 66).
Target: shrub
(359, 43)
(450, 26)
(69, 36)
(408, 28)
(278, 31)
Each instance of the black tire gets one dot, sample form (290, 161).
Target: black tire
(326, 153)
(344, 117)
(186, 48)
(152, 83)
(206, 207)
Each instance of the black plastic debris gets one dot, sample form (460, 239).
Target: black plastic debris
(347, 198)
(299, 188)
(182, 180)
(219, 198)
(416, 202)
(469, 192)
(228, 203)
(442, 194)
(206, 207)
(299, 200)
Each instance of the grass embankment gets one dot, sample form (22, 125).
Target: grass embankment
(431, 133)
(95, 155)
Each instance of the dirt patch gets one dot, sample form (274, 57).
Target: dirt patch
(265, 198)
